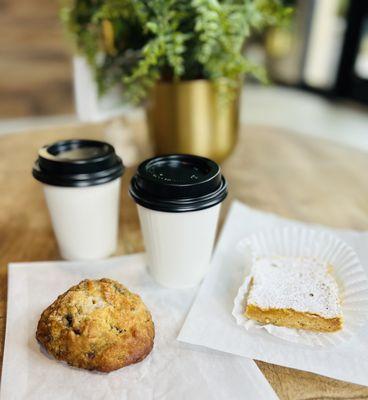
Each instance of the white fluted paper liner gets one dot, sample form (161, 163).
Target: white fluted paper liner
(296, 242)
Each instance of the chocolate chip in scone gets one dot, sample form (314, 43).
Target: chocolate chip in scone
(69, 320)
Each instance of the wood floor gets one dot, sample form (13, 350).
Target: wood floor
(35, 67)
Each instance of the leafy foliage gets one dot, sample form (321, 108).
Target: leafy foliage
(138, 42)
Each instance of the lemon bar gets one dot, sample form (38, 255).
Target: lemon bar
(294, 292)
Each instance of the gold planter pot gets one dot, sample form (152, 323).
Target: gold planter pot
(193, 117)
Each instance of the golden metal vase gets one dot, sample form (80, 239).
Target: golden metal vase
(193, 117)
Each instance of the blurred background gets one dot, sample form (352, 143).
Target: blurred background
(318, 67)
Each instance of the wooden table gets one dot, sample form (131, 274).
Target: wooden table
(292, 175)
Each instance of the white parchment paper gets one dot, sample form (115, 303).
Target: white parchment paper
(172, 371)
(210, 322)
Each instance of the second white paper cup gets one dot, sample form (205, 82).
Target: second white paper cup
(178, 198)
(179, 245)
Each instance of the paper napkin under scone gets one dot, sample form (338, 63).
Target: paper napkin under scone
(171, 371)
(210, 322)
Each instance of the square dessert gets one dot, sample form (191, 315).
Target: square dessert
(294, 292)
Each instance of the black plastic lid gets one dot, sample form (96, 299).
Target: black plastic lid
(77, 163)
(178, 183)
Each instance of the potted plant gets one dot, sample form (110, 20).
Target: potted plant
(182, 58)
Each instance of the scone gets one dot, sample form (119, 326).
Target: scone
(97, 325)
(295, 293)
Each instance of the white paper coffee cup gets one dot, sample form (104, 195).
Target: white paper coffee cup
(81, 181)
(178, 199)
